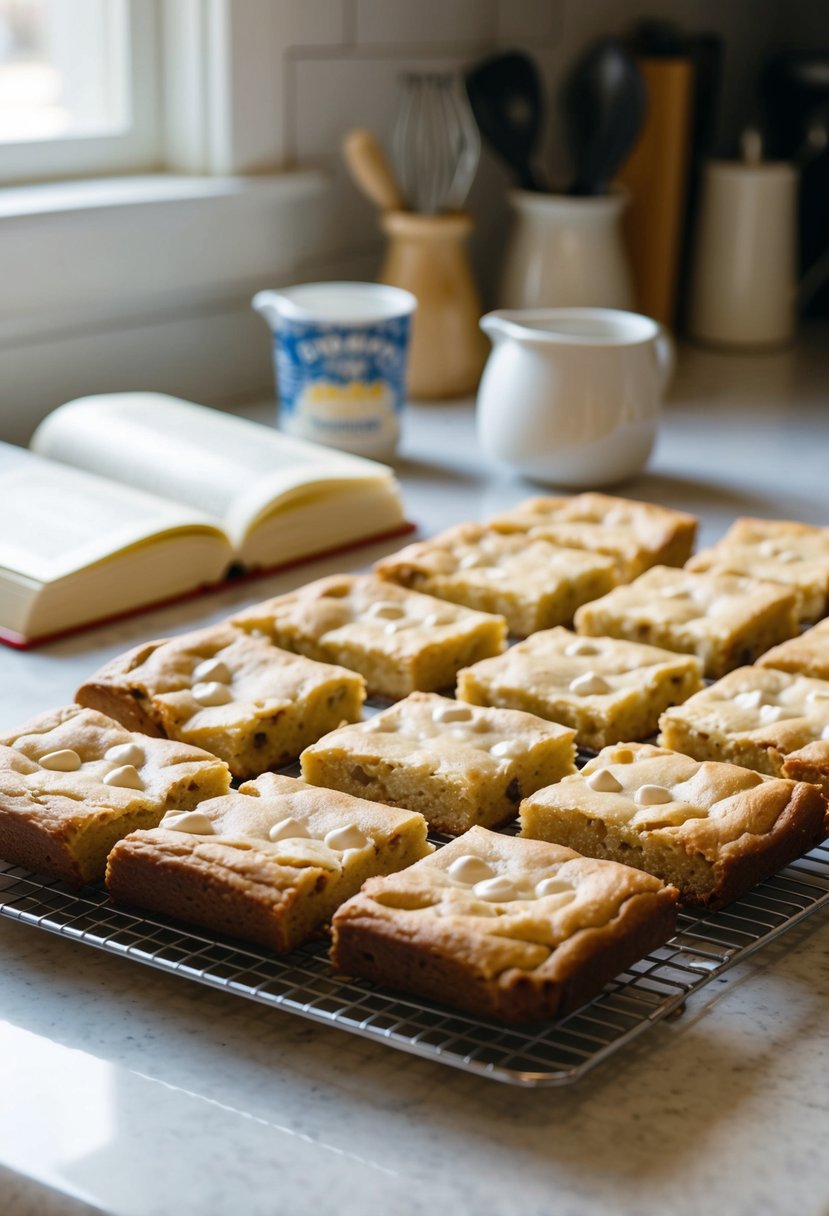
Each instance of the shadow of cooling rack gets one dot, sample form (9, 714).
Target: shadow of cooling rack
(540, 1055)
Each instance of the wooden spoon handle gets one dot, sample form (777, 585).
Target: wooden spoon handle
(371, 171)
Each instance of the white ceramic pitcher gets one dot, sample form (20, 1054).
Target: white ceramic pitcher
(572, 396)
(565, 251)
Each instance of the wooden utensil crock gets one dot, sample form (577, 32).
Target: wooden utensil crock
(426, 255)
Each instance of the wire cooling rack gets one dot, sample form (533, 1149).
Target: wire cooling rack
(303, 983)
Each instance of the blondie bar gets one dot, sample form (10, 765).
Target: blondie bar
(456, 764)
(724, 619)
(530, 581)
(399, 640)
(636, 534)
(269, 863)
(503, 928)
(225, 690)
(711, 830)
(73, 781)
(605, 689)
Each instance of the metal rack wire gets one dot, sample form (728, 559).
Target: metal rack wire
(541, 1055)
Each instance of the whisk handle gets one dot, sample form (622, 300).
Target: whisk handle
(370, 169)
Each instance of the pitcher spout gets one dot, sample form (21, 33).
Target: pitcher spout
(269, 304)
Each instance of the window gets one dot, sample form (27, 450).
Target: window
(78, 87)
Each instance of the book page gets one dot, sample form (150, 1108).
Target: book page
(225, 466)
(56, 520)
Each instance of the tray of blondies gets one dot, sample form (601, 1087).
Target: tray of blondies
(505, 802)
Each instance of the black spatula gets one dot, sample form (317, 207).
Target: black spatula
(604, 101)
(506, 98)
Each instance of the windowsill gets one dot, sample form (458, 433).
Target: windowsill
(146, 190)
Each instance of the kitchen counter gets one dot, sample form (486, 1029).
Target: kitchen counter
(138, 1093)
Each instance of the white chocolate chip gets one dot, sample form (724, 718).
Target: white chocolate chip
(494, 572)
(508, 748)
(126, 753)
(552, 886)
(63, 761)
(384, 610)
(194, 822)
(126, 776)
(590, 684)
(676, 593)
(212, 693)
(771, 713)
(396, 626)
(347, 837)
(652, 795)
(469, 869)
(768, 548)
(496, 890)
(452, 713)
(750, 700)
(469, 560)
(787, 556)
(581, 646)
(604, 782)
(435, 618)
(381, 725)
(212, 669)
(288, 829)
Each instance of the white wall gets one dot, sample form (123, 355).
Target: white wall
(123, 300)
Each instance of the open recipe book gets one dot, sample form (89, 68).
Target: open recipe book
(132, 499)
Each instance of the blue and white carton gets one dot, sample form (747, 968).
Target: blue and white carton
(340, 352)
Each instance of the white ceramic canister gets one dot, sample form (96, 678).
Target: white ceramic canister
(743, 278)
(566, 251)
(340, 352)
(572, 396)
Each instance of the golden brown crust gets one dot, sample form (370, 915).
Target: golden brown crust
(165, 876)
(528, 955)
(400, 640)
(725, 619)
(266, 707)
(807, 654)
(261, 863)
(638, 534)
(457, 764)
(635, 683)
(754, 717)
(532, 582)
(63, 823)
(717, 831)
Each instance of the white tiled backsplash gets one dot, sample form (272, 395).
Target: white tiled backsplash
(185, 325)
(345, 57)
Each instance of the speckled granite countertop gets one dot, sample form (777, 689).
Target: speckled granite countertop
(137, 1093)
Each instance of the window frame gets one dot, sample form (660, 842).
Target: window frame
(137, 147)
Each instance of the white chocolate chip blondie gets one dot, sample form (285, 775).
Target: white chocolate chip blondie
(807, 654)
(711, 830)
(724, 619)
(605, 689)
(399, 640)
(73, 781)
(777, 551)
(269, 863)
(225, 690)
(754, 716)
(530, 581)
(456, 764)
(636, 534)
(503, 928)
